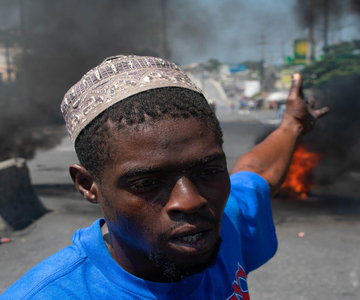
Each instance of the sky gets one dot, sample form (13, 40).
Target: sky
(228, 30)
(238, 26)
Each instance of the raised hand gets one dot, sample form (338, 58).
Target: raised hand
(301, 111)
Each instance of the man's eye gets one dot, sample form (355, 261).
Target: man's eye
(144, 185)
(209, 171)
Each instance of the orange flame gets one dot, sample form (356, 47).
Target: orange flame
(299, 180)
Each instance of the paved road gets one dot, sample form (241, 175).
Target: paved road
(322, 264)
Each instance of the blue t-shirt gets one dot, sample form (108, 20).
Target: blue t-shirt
(86, 269)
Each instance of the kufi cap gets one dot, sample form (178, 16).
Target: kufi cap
(115, 79)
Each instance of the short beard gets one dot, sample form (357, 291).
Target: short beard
(179, 271)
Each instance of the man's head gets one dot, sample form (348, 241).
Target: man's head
(154, 162)
(92, 144)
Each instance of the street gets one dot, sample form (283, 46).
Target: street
(318, 255)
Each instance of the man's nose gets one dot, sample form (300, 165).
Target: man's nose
(185, 198)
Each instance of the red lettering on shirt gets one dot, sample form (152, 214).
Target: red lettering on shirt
(241, 291)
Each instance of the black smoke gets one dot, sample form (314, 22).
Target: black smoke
(337, 135)
(309, 12)
(61, 40)
(64, 39)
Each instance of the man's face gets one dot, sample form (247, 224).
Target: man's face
(163, 196)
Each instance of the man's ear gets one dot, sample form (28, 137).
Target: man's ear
(85, 183)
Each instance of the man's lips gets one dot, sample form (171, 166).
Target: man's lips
(193, 239)
(190, 229)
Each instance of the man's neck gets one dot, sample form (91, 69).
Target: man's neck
(126, 264)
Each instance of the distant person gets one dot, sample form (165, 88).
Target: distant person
(281, 111)
(151, 156)
(272, 105)
(258, 104)
(243, 104)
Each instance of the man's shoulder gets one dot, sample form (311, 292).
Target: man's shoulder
(247, 188)
(63, 268)
(57, 266)
(247, 179)
(248, 215)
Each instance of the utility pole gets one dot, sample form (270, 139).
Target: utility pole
(310, 46)
(262, 44)
(164, 48)
(282, 50)
(261, 65)
(310, 43)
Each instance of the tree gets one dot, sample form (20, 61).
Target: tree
(335, 82)
(339, 60)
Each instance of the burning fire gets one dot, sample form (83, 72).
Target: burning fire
(299, 180)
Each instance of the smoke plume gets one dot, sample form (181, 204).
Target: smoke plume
(62, 41)
(312, 11)
(337, 134)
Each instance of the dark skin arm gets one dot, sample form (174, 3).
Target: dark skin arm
(271, 158)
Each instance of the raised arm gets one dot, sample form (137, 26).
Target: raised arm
(271, 158)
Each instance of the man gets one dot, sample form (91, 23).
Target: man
(175, 225)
